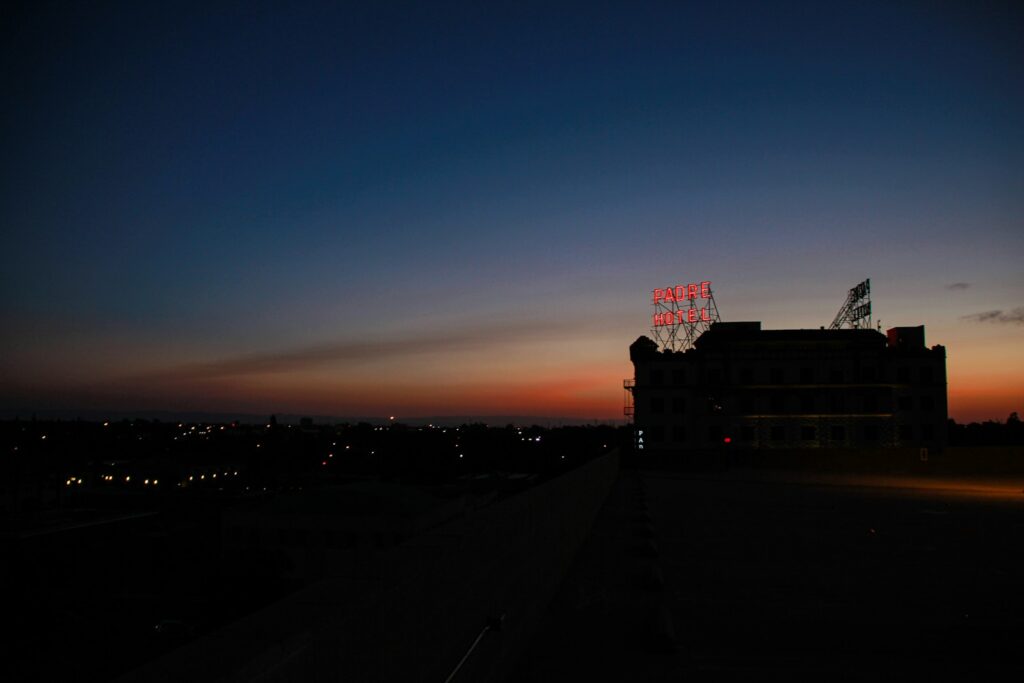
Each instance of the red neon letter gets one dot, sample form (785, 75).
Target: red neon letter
(691, 315)
(705, 315)
(705, 289)
(680, 293)
(658, 295)
(691, 291)
(669, 296)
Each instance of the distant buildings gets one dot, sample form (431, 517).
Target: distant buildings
(742, 387)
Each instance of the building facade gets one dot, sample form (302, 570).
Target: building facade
(744, 387)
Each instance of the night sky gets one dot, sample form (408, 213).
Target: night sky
(461, 208)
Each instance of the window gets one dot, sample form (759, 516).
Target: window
(657, 433)
(871, 432)
(747, 405)
(906, 432)
(678, 405)
(776, 375)
(905, 402)
(678, 377)
(657, 405)
(714, 434)
(746, 376)
(838, 433)
(808, 433)
(870, 403)
(836, 375)
(838, 403)
(806, 375)
(926, 432)
(926, 375)
(778, 404)
(807, 403)
(868, 374)
(747, 433)
(679, 433)
(715, 375)
(927, 403)
(777, 433)
(657, 377)
(903, 374)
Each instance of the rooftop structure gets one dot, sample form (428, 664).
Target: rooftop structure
(744, 387)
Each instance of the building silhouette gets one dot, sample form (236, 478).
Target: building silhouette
(741, 387)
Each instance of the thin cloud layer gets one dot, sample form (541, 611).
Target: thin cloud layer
(416, 342)
(998, 316)
(958, 286)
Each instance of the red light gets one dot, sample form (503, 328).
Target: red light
(728, 439)
(677, 294)
(324, 462)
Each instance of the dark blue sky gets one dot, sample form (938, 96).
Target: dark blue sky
(198, 183)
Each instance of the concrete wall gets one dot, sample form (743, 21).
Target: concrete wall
(433, 597)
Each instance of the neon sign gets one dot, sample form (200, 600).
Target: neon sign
(669, 298)
(683, 292)
(683, 313)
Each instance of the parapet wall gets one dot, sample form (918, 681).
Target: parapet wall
(432, 600)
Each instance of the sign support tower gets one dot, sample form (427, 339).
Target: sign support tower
(681, 314)
(855, 313)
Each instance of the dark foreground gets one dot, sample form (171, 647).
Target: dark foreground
(744, 576)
